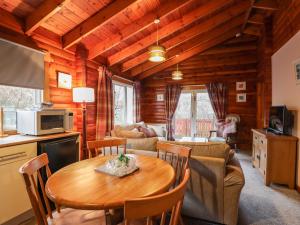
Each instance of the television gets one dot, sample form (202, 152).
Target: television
(281, 120)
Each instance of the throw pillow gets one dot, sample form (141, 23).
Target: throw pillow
(149, 132)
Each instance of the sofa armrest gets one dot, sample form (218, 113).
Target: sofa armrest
(207, 184)
(233, 183)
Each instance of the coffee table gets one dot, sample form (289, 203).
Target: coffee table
(192, 139)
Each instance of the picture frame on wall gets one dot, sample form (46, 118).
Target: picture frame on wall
(160, 97)
(241, 86)
(242, 97)
(297, 71)
(64, 80)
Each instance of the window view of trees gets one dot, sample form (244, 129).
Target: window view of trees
(123, 104)
(13, 98)
(194, 115)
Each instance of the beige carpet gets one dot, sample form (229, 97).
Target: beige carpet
(262, 205)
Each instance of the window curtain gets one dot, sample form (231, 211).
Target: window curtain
(104, 122)
(137, 101)
(217, 96)
(172, 98)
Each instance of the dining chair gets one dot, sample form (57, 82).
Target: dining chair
(177, 155)
(98, 147)
(151, 207)
(31, 172)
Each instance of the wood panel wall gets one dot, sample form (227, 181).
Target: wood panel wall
(57, 59)
(286, 22)
(230, 62)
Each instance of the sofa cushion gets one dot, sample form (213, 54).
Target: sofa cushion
(130, 134)
(209, 149)
(148, 144)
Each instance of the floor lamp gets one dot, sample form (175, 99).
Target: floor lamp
(83, 95)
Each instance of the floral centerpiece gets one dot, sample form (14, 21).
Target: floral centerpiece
(121, 165)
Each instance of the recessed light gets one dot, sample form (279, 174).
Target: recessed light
(238, 35)
(157, 21)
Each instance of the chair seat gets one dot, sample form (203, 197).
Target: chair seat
(217, 139)
(73, 216)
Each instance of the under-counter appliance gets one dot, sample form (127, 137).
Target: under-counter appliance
(61, 152)
(45, 121)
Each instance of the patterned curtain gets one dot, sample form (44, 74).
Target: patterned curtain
(217, 96)
(105, 114)
(137, 100)
(172, 98)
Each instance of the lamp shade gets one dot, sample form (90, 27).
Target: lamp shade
(157, 53)
(83, 94)
(177, 75)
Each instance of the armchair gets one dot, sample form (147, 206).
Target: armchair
(226, 131)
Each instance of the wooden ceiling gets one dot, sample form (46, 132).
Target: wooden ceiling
(119, 32)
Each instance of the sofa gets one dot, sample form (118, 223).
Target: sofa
(137, 139)
(216, 183)
(216, 180)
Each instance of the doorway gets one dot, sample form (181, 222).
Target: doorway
(194, 116)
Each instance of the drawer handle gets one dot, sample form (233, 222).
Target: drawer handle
(12, 156)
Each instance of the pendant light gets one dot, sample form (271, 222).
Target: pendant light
(177, 74)
(157, 53)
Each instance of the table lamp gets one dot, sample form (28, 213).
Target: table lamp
(83, 95)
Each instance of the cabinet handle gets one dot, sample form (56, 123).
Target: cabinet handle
(262, 142)
(257, 156)
(12, 156)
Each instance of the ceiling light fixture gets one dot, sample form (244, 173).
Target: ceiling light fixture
(157, 53)
(177, 74)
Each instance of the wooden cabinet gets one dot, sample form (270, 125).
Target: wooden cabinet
(275, 157)
(13, 192)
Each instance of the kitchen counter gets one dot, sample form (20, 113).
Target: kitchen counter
(19, 139)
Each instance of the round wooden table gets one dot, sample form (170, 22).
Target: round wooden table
(79, 186)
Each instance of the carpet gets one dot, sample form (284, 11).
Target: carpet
(262, 205)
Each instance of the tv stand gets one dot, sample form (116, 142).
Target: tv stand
(275, 157)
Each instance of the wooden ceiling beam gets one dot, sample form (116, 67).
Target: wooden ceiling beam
(47, 9)
(252, 30)
(165, 31)
(196, 30)
(257, 18)
(222, 37)
(266, 5)
(10, 21)
(135, 27)
(189, 45)
(92, 23)
(195, 73)
(247, 15)
(230, 49)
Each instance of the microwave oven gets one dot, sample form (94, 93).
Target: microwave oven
(45, 121)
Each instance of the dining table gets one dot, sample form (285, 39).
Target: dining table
(80, 186)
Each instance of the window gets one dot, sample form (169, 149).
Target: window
(123, 104)
(194, 115)
(14, 98)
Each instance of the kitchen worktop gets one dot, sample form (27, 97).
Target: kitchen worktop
(19, 139)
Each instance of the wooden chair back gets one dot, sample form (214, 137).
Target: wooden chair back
(177, 155)
(29, 170)
(98, 146)
(150, 207)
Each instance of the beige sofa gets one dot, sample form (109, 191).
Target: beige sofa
(135, 139)
(216, 183)
(216, 180)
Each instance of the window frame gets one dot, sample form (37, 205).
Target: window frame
(38, 99)
(125, 85)
(193, 113)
